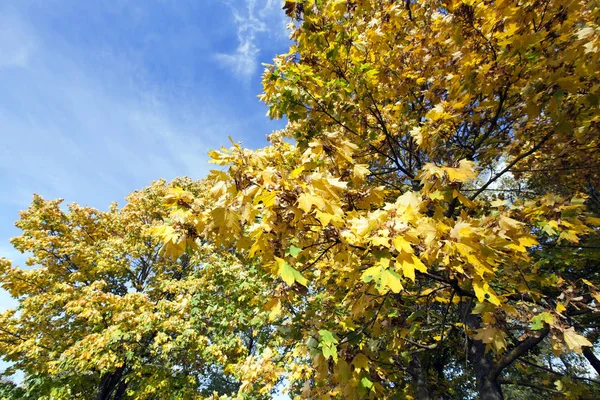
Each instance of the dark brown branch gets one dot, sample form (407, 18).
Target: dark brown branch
(388, 137)
(592, 359)
(407, 6)
(530, 385)
(452, 282)
(16, 335)
(521, 349)
(319, 257)
(541, 367)
(512, 164)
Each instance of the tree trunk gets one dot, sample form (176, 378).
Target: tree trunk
(417, 373)
(487, 371)
(108, 384)
(483, 364)
(120, 390)
(593, 360)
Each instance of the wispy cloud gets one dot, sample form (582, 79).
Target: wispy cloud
(16, 45)
(252, 21)
(89, 115)
(72, 130)
(101, 97)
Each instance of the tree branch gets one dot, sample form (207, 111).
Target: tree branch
(522, 348)
(593, 360)
(512, 164)
(529, 385)
(579, 378)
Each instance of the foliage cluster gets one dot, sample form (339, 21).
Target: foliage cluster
(426, 226)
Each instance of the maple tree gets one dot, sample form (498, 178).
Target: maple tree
(432, 221)
(104, 316)
(426, 226)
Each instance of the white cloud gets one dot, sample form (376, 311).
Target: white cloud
(89, 123)
(87, 132)
(278, 21)
(16, 45)
(72, 130)
(90, 119)
(252, 22)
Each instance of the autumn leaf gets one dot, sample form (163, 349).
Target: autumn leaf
(289, 274)
(575, 341)
(539, 320)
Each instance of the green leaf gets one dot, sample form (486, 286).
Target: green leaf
(327, 337)
(293, 251)
(538, 321)
(289, 274)
(372, 273)
(481, 308)
(285, 271)
(366, 383)
(414, 316)
(327, 344)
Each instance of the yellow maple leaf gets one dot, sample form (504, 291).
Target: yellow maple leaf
(307, 200)
(361, 171)
(405, 260)
(463, 173)
(402, 244)
(575, 341)
(393, 281)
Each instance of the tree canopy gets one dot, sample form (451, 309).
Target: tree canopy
(426, 226)
(106, 316)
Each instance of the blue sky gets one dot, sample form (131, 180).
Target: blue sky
(101, 97)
